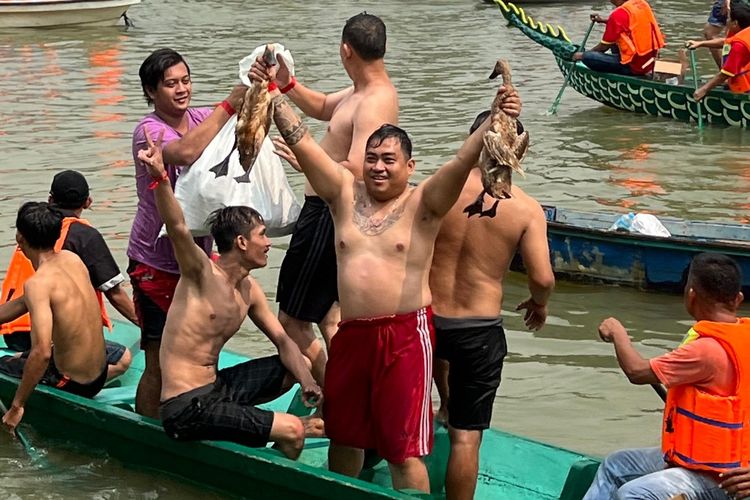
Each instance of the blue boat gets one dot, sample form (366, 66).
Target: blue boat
(583, 248)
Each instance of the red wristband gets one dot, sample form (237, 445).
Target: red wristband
(289, 86)
(227, 107)
(272, 86)
(158, 180)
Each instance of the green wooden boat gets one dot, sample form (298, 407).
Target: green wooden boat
(512, 467)
(629, 93)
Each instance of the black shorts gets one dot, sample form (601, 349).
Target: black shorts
(307, 278)
(21, 341)
(13, 366)
(475, 349)
(224, 410)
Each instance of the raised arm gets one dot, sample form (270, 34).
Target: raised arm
(191, 259)
(326, 176)
(291, 356)
(38, 302)
(312, 103)
(188, 148)
(441, 190)
(535, 253)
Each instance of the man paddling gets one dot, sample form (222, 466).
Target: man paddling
(471, 258)
(379, 373)
(633, 36)
(211, 300)
(705, 416)
(64, 311)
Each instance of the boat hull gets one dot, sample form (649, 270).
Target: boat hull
(512, 467)
(629, 93)
(582, 249)
(45, 14)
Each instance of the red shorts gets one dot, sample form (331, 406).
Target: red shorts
(378, 389)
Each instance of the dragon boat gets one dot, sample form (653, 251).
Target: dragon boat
(511, 467)
(629, 93)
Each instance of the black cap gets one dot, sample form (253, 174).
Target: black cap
(69, 189)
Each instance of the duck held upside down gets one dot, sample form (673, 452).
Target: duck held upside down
(254, 120)
(504, 148)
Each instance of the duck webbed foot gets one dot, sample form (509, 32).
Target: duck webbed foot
(476, 207)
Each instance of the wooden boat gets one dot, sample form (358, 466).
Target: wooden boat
(513, 467)
(629, 93)
(48, 13)
(582, 248)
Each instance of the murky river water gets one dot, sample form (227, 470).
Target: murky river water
(69, 98)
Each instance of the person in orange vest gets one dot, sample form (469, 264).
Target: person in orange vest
(633, 36)
(735, 69)
(705, 429)
(69, 194)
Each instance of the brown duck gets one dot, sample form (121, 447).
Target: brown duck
(505, 145)
(254, 120)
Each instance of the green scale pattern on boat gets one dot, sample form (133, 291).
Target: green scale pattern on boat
(629, 93)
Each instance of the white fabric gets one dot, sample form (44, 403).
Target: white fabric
(199, 191)
(247, 62)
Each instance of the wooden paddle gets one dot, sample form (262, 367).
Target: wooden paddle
(553, 108)
(661, 391)
(698, 106)
(30, 450)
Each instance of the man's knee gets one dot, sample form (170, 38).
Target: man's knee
(122, 364)
(289, 430)
(467, 439)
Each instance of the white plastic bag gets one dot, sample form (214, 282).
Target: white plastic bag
(640, 223)
(200, 190)
(650, 225)
(209, 183)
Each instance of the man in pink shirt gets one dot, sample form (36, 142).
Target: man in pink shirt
(153, 270)
(702, 376)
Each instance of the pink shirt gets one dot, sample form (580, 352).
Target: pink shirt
(144, 246)
(701, 362)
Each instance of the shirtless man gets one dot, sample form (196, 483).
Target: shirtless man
(471, 258)
(379, 374)
(307, 288)
(211, 300)
(167, 84)
(64, 311)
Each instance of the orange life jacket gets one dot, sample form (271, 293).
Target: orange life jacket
(20, 269)
(643, 36)
(739, 83)
(705, 431)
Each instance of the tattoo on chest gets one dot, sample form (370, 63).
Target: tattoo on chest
(371, 223)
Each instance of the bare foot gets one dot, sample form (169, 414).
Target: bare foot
(314, 426)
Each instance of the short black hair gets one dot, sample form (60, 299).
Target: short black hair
(479, 120)
(229, 222)
(365, 33)
(153, 68)
(739, 10)
(40, 224)
(716, 277)
(387, 131)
